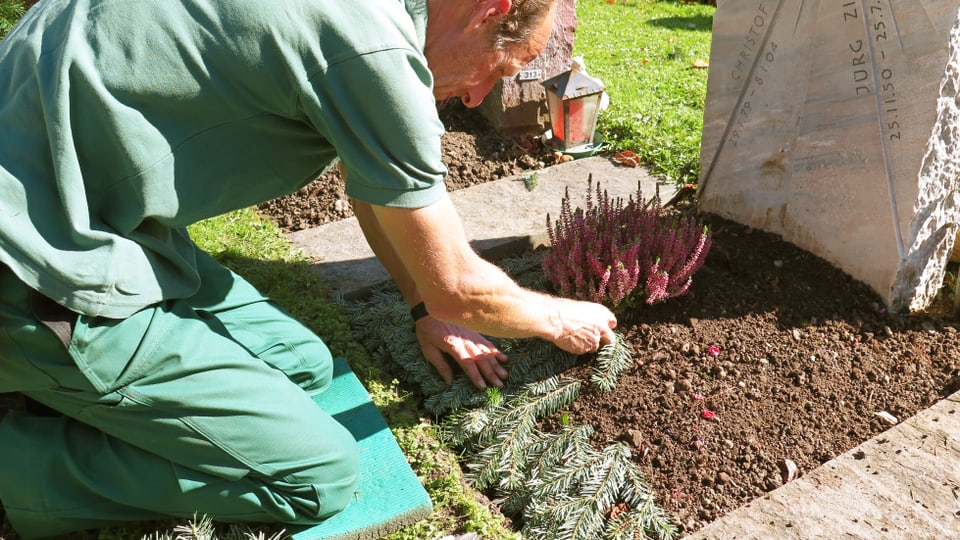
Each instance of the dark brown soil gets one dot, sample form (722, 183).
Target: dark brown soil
(805, 357)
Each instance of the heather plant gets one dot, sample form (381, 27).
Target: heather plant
(614, 250)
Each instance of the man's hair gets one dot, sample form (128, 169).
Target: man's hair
(520, 22)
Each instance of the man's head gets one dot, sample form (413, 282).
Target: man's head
(471, 44)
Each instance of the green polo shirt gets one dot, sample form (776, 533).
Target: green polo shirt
(124, 121)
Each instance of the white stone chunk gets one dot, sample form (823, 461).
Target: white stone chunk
(834, 124)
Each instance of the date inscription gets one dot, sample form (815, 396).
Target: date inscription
(871, 67)
(751, 68)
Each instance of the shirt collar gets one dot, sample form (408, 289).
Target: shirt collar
(418, 14)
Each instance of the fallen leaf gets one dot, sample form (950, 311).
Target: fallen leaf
(618, 509)
(700, 64)
(627, 158)
(707, 414)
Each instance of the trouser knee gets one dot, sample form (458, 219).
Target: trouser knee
(325, 488)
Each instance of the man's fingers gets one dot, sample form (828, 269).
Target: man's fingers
(436, 359)
(480, 365)
(471, 370)
(607, 336)
(477, 357)
(492, 364)
(489, 375)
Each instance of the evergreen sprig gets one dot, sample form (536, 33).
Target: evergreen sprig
(642, 517)
(496, 421)
(612, 360)
(596, 498)
(563, 488)
(548, 452)
(526, 269)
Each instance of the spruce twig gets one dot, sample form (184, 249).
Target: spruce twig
(642, 517)
(486, 425)
(547, 452)
(574, 501)
(612, 360)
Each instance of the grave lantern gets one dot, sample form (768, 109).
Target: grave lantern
(573, 100)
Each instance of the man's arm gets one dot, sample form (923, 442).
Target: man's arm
(385, 253)
(479, 359)
(460, 287)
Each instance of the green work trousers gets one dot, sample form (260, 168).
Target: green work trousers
(199, 406)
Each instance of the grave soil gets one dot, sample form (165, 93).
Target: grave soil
(807, 362)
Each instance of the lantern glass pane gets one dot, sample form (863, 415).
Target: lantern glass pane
(555, 107)
(581, 120)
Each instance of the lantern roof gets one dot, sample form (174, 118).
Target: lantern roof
(572, 84)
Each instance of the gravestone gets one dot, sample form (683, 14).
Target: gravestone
(836, 124)
(517, 105)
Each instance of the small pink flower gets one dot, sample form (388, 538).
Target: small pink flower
(707, 414)
(713, 351)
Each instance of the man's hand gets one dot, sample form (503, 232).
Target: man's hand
(478, 358)
(584, 326)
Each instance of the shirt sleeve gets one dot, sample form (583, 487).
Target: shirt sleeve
(378, 111)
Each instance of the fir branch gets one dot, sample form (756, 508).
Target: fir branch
(538, 400)
(526, 270)
(612, 360)
(503, 456)
(569, 445)
(465, 426)
(574, 501)
(503, 431)
(652, 519)
(545, 452)
(534, 360)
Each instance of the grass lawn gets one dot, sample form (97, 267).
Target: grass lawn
(652, 57)
(646, 53)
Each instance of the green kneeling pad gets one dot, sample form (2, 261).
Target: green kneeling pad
(388, 495)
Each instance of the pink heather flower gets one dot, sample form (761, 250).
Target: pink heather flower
(713, 351)
(613, 247)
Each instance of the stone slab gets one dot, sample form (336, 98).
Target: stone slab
(903, 483)
(501, 217)
(832, 124)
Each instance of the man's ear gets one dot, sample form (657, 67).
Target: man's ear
(488, 10)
